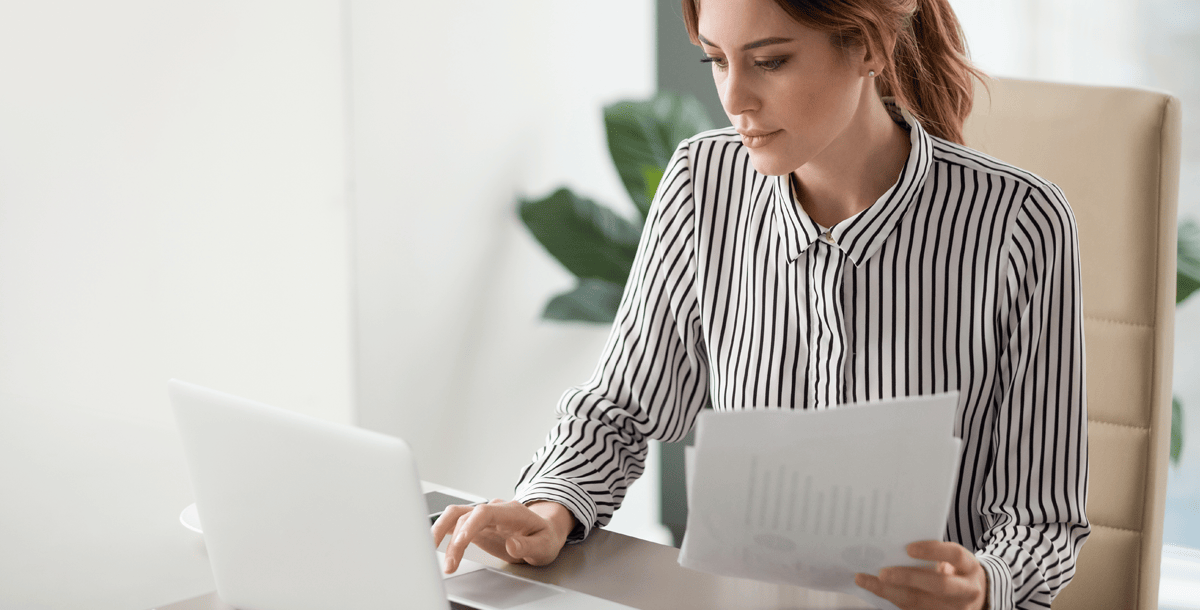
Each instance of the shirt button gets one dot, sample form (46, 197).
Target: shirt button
(828, 237)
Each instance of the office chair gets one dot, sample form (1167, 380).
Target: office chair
(1115, 154)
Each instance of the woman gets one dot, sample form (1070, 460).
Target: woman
(834, 246)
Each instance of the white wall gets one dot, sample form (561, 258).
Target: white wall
(459, 109)
(1088, 41)
(172, 203)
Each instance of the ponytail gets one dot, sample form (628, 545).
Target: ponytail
(926, 69)
(931, 74)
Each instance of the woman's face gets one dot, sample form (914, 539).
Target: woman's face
(785, 87)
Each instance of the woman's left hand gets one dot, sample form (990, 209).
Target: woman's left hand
(958, 582)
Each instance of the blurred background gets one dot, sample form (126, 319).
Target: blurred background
(311, 203)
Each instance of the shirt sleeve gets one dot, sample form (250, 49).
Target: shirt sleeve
(652, 379)
(1034, 497)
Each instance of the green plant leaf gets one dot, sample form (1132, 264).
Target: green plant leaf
(590, 240)
(1176, 430)
(645, 133)
(1188, 265)
(592, 300)
(652, 176)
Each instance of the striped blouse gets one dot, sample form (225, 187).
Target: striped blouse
(963, 276)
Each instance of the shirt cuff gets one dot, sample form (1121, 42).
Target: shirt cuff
(570, 495)
(1000, 589)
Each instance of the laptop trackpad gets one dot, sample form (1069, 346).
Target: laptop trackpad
(496, 590)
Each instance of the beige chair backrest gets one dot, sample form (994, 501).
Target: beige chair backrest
(1115, 154)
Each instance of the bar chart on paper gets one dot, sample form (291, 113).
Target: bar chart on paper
(783, 499)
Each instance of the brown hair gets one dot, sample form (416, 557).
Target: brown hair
(926, 67)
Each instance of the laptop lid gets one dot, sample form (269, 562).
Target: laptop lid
(303, 514)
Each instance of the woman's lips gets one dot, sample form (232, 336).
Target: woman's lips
(755, 139)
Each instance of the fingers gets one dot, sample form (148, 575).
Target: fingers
(446, 521)
(903, 597)
(509, 530)
(908, 598)
(490, 527)
(530, 549)
(536, 550)
(956, 555)
(467, 527)
(925, 580)
(957, 581)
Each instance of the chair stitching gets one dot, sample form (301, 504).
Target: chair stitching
(1109, 423)
(1121, 322)
(1158, 181)
(1119, 529)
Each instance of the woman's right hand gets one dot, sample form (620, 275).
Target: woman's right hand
(512, 531)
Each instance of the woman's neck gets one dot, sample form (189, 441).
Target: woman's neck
(856, 169)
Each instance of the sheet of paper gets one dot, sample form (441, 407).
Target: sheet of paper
(809, 498)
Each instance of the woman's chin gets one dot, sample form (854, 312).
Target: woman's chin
(770, 165)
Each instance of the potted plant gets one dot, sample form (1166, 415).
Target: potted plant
(1187, 282)
(592, 241)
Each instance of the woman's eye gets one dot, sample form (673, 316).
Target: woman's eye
(719, 62)
(770, 65)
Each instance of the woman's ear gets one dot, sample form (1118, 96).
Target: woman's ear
(860, 56)
(875, 59)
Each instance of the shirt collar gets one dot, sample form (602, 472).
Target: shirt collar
(862, 234)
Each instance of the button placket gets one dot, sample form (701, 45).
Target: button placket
(827, 335)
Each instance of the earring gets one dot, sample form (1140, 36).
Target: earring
(871, 74)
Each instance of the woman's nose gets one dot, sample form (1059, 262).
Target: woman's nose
(737, 92)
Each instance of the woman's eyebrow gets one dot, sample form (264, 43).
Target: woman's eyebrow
(754, 45)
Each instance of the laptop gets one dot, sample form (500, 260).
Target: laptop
(299, 513)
